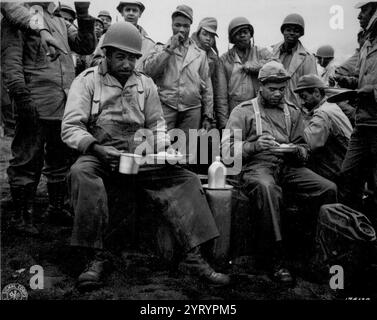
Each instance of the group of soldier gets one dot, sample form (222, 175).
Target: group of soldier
(82, 92)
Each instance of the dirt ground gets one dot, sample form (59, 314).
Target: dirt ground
(137, 274)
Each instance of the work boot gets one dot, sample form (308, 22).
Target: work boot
(91, 278)
(280, 272)
(22, 219)
(55, 213)
(194, 264)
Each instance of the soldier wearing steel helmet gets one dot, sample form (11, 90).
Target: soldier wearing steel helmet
(106, 18)
(238, 70)
(131, 12)
(325, 57)
(296, 59)
(273, 153)
(106, 106)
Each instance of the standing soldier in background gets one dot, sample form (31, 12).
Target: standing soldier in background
(238, 70)
(67, 13)
(292, 54)
(361, 157)
(325, 58)
(131, 12)
(105, 17)
(204, 37)
(180, 70)
(82, 62)
(39, 87)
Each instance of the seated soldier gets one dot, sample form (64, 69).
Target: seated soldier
(273, 153)
(328, 129)
(107, 104)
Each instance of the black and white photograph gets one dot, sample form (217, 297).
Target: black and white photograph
(188, 155)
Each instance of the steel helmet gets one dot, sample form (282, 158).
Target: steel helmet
(104, 13)
(69, 9)
(295, 19)
(236, 24)
(273, 71)
(123, 3)
(123, 36)
(326, 51)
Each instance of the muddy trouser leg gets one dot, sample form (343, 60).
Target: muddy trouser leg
(354, 169)
(89, 200)
(57, 164)
(25, 169)
(179, 197)
(265, 197)
(28, 154)
(308, 185)
(57, 156)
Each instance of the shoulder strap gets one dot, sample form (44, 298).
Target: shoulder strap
(258, 119)
(96, 104)
(288, 122)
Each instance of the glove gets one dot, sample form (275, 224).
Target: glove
(82, 9)
(26, 110)
(251, 68)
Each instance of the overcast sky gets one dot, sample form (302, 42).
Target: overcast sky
(265, 15)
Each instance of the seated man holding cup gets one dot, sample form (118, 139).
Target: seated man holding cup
(106, 106)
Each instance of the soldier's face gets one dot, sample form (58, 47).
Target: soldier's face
(366, 14)
(273, 93)
(131, 13)
(181, 25)
(106, 22)
(98, 29)
(310, 99)
(121, 64)
(291, 34)
(323, 62)
(242, 38)
(67, 16)
(206, 39)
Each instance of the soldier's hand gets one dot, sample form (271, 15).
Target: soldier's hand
(365, 91)
(251, 67)
(332, 81)
(26, 109)
(107, 154)
(82, 8)
(265, 142)
(50, 45)
(206, 124)
(176, 41)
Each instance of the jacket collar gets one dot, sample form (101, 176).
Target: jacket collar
(298, 58)
(371, 45)
(143, 33)
(111, 81)
(263, 103)
(193, 52)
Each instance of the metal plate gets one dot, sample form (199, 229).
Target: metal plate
(283, 150)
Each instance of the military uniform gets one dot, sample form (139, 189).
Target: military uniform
(39, 87)
(100, 110)
(298, 62)
(266, 176)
